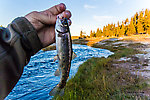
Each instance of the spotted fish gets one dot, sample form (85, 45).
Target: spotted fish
(64, 54)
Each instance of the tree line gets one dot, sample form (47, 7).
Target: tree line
(138, 24)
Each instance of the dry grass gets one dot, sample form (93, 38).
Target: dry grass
(138, 38)
(94, 40)
(75, 37)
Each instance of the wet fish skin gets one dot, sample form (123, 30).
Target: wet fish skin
(64, 53)
(57, 72)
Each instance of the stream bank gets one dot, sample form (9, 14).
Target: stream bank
(124, 75)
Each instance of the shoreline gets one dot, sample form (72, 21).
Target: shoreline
(131, 54)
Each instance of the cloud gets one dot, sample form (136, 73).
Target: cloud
(104, 20)
(119, 1)
(89, 6)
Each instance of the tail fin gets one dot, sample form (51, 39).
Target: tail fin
(56, 91)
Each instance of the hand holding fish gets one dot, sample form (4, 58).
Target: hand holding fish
(44, 22)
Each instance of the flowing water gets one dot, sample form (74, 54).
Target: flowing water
(38, 77)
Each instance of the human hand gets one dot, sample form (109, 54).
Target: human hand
(44, 22)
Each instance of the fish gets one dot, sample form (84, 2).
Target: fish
(64, 54)
(57, 72)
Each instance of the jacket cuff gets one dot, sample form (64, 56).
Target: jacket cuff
(30, 39)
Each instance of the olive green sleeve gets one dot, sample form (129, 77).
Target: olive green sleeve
(18, 42)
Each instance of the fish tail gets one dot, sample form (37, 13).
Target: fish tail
(61, 93)
(56, 91)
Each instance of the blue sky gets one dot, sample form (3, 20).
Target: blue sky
(86, 14)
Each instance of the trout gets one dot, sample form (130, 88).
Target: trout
(64, 54)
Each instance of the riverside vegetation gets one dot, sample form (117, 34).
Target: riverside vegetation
(99, 79)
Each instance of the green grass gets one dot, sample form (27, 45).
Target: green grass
(98, 79)
(124, 52)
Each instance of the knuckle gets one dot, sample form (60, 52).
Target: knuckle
(58, 8)
(34, 13)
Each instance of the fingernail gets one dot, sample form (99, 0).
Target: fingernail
(67, 14)
(62, 6)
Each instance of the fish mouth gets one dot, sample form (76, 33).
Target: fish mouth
(62, 25)
(63, 21)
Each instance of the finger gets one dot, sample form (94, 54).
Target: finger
(46, 19)
(57, 9)
(66, 14)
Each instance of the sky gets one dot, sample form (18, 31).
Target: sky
(87, 15)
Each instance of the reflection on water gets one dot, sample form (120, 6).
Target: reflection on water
(38, 77)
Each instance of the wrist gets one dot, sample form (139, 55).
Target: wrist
(29, 37)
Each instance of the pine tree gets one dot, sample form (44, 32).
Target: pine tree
(147, 21)
(118, 29)
(140, 21)
(114, 29)
(104, 31)
(148, 30)
(101, 33)
(98, 32)
(140, 28)
(122, 30)
(127, 21)
(135, 20)
(131, 29)
(92, 34)
(81, 34)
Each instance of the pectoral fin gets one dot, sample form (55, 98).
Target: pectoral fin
(56, 58)
(57, 72)
(73, 55)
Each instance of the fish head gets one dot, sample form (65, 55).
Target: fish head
(62, 25)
